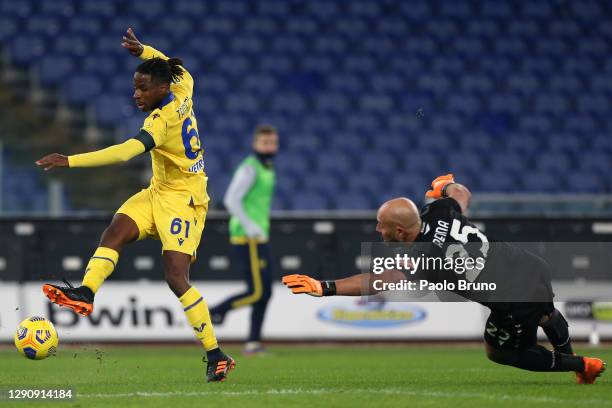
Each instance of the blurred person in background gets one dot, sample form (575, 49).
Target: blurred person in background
(249, 199)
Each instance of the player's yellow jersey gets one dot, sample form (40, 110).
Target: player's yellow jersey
(178, 157)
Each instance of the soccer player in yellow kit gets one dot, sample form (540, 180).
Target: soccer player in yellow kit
(173, 208)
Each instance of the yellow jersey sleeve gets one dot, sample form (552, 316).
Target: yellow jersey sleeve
(149, 52)
(156, 126)
(111, 155)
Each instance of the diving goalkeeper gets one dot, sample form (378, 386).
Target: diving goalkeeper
(511, 329)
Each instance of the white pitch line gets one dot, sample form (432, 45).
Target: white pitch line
(315, 391)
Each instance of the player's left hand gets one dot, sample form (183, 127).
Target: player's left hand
(438, 185)
(131, 43)
(303, 284)
(53, 160)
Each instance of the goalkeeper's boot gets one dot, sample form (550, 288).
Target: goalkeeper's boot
(593, 368)
(217, 370)
(80, 299)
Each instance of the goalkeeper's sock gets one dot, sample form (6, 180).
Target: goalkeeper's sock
(557, 331)
(196, 310)
(539, 358)
(100, 266)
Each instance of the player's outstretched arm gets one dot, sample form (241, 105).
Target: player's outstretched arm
(138, 49)
(461, 194)
(445, 186)
(131, 43)
(356, 285)
(111, 155)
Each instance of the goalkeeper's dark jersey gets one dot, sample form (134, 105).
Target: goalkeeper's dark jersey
(447, 234)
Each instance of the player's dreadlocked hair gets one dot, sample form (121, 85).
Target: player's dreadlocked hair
(162, 71)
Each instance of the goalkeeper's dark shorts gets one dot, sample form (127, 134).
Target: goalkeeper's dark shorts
(515, 325)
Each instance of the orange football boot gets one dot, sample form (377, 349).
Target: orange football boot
(593, 368)
(80, 299)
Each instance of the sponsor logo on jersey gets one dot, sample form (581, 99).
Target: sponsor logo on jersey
(198, 166)
(372, 314)
(182, 109)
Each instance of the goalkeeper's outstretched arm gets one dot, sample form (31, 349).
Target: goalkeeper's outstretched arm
(356, 285)
(445, 186)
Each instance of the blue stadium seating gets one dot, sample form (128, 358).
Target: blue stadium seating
(371, 97)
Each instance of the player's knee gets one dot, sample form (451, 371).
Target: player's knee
(505, 357)
(177, 282)
(111, 237)
(116, 235)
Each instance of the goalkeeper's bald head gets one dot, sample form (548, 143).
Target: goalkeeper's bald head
(398, 220)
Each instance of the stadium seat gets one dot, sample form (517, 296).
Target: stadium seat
(80, 89)
(293, 163)
(52, 69)
(541, 182)
(496, 182)
(352, 201)
(78, 46)
(410, 185)
(381, 164)
(309, 200)
(467, 104)
(335, 163)
(365, 183)
(26, 49)
(111, 109)
(60, 8)
(20, 9)
(8, 28)
(96, 8)
(536, 10)
(585, 182)
(43, 25)
(332, 102)
(357, 89)
(322, 184)
(461, 161)
(90, 26)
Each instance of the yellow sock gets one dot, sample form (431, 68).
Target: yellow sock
(196, 310)
(100, 266)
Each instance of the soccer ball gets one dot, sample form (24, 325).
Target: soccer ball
(36, 338)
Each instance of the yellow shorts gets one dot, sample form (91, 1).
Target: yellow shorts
(168, 217)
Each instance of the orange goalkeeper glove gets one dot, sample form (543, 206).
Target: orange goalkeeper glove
(438, 186)
(306, 284)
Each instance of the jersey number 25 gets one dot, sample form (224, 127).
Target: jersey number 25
(461, 235)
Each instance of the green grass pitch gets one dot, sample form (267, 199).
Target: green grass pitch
(298, 376)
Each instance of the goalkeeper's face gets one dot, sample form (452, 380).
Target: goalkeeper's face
(387, 231)
(148, 93)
